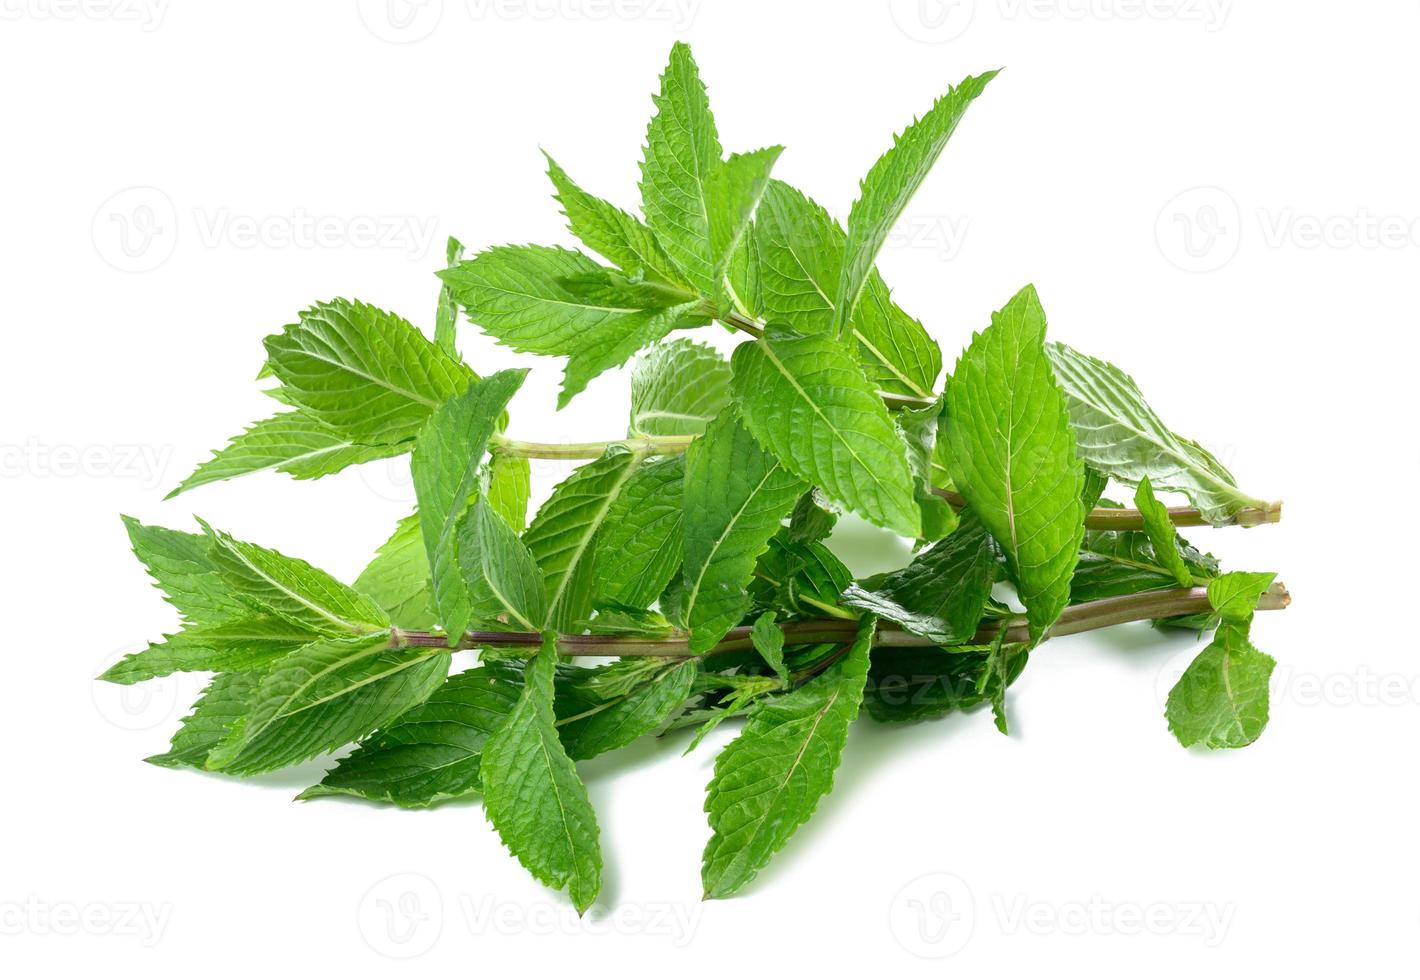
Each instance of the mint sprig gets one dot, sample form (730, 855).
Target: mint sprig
(693, 556)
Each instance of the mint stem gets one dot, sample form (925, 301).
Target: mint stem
(1080, 618)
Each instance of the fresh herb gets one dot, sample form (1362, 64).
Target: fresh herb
(693, 555)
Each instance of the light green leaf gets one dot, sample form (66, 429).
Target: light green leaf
(943, 592)
(1012, 455)
(800, 249)
(891, 183)
(562, 537)
(681, 157)
(239, 645)
(1234, 596)
(1221, 699)
(509, 488)
(768, 639)
(502, 579)
(736, 498)
(446, 317)
(1114, 563)
(1117, 433)
(290, 442)
(181, 565)
(611, 232)
(639, 549)
(809, 404)
(1160, 531)
(328, 693)
(734, 190)
(365, 373)
(918, 427)
(292, 590)
(677, 388)
(590, 731)
(447, 463)
(769, 780)
(524, 296)
(222, 705)
(397, 578)
(432, 752)
(533, 796)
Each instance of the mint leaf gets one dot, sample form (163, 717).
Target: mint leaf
(736, 497)
(446, 317)
(996, 677)
(526, 297)
(809, 404)
(1234, 596)
(1162, 536)
(769, 780)
(768, 639)
(1012, 455)
(562, 537)
(446, 468)
(325, 695)
(432, 752)
(365, 373)
(509, 488)
(239, 645)
(588, 731)
(1115, 563)
(612, 233)
(943, 592)
(733, 192)
(533, 796)
(221, 707)
(639, 548)
(502, 577)
(182, 567)
(1221, 699)
(397, 578)
(891, 183)
(1118, 434)
(292, 590)
(800, 249)
(918, 428)
(677, 388)
(290, 442)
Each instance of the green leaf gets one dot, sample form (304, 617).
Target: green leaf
(677, 388)
(943, 592)
(591, 731)
(1160, 531)
(292, 590)
(1221, 699)
(446, 317)
(733, 192)
(997, 677)
(1114, 563)
(891, 183)
(768, 639)
(1234, 596)
(800, 250)
(509, 488)
(525, 297)
(1012, 455)
(499, 571)
(799, 577)
(736, 497)
(606, 229)
(533, 796)
(562, 537)
(239, 645)
(290, 442)
(912, 684)
(769, 780)
(397, 579)
(1117, 433)
(446, 468)
(813, 518)
(182, 567)
(432, 752)
(681, 158)
(809, 404)
(328, 693)
(918, 427)
(365, 373)
(221, 707)
(639, 549)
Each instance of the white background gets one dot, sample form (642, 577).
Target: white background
(1269, 315)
